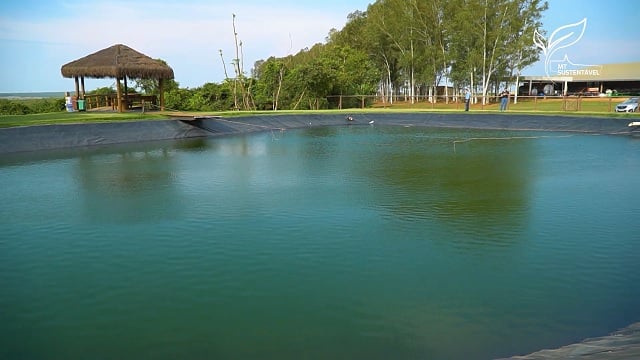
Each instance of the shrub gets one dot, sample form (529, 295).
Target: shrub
(8, 107)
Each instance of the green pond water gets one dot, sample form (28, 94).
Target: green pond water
(362, 242)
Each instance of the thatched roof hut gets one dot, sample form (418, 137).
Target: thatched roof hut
(119, 62)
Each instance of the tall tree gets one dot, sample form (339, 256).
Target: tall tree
(364, 34)
(393, 19)
(270, 75)
(429, 30)
(355, 74)
(525, 52)
(414, 42)
(489, 35)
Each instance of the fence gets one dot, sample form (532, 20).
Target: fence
(521, 103)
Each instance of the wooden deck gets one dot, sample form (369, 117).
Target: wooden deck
(191, 117)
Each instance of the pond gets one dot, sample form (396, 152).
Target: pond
(362, 242)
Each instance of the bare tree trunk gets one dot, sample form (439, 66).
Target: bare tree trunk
(298, 102)
(239, 70)
(488, 69)
(413, 80)
(471, 89)
(237, 59)
(390, 90)
(280, 77)
(515, 97)
(389, 86)
(446, 85)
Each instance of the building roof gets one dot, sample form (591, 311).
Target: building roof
(594, 73)
(117, 61)
(611, 72)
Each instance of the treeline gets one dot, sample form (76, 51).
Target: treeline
(418, 45)
(413, 49)
(325, 76)
(410, 48)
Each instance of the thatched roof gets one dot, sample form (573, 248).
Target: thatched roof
(117, 61)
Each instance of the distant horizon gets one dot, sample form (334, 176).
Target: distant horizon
(34, 94)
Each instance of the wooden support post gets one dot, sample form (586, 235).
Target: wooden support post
(126, 92)
(82, 83)
(75, 78)
(119, 95)
(161, 88)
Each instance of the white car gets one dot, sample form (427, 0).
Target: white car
(629, 105)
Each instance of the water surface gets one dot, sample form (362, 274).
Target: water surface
(334, 242)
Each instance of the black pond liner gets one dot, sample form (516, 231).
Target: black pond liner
(47, 137)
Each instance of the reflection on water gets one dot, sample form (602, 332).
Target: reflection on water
(109, 183)
(197, 144)
(331, 242)
(485, 185)
(416, 175)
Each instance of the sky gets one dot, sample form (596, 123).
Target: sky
(37, 37)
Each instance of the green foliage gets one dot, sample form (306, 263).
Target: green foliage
(271, 74)
(31, 106)
(102, 91)
(420, 43)
(209, 97)
(321, 77)
(177, 99)
(48, 105)
(13, 108)
(152, 87)
(493, 38)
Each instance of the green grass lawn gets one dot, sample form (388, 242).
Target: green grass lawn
(549, 104)
(74, 118)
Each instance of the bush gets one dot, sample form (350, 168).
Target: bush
(31, 106)
(13, 108)
(102, 91)
(47, 105)
(177, 99)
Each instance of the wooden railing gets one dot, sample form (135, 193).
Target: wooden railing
(98, 101)
(128, 102)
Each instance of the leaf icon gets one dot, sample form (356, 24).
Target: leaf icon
(540, 41)
(565, 36)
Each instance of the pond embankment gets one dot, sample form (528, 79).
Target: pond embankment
(622, 344)
(46, 137)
